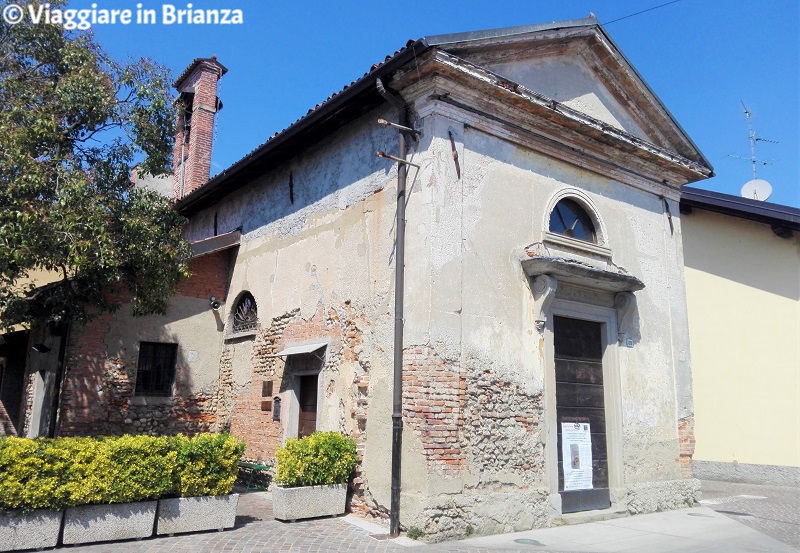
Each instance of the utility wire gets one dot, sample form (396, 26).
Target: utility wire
(641, 12)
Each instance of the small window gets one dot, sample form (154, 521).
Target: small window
(245, 316)
(155, 374)
(570, 219)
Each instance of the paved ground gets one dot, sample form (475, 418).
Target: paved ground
(747, 519)
(771, 510)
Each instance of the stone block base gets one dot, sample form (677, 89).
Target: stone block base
(117, 521)
(196, 514)
(667, 495)
(309, 502)
(35, 530)
(771, 475)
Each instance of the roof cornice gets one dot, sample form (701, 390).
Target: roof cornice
(581, 127)
(744, 208)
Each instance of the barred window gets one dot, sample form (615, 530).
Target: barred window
(155, 374)
(245, 316)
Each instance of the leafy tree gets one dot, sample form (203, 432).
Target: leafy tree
(73, 125)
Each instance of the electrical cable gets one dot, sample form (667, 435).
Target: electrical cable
(641, 12)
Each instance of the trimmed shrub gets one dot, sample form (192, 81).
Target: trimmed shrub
(207, 464)
(32, 474)
(63, 472)
(319, 459)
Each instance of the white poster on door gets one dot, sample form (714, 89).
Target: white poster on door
(576, 448)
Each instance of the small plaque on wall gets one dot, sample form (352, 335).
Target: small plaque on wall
(276, 410)
(266, 405)
(266, 388)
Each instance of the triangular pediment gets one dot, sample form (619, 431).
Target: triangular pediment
(576, 64)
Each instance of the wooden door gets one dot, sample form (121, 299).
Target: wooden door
(308, 405)
(580, 400)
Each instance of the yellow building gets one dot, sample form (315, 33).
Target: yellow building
(742, 260)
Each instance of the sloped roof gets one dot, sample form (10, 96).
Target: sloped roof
(195, 62)
(352, 101)
(743, 208)
(361, 96)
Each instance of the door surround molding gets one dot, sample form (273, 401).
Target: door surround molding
(612, 393)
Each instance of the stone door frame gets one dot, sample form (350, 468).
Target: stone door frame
(607, 316)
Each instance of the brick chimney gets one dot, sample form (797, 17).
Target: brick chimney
(197, 89)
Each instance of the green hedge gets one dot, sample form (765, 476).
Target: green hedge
(63, 472)
(319, 459)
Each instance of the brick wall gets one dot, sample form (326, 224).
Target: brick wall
(209, 276)
(343, 327)
(248, 421)
(468, 417)
(434, 392)
(98, 388)
(6, 426)
(192, 159)
(28, 404)
(686, 445)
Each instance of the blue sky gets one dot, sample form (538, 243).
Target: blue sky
(701, 57)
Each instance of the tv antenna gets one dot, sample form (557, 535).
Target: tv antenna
(756, 189)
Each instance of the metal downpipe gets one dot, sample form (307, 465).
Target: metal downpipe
(397, 392)
(397, 396)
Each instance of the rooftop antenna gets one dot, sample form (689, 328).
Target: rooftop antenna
(756, 189)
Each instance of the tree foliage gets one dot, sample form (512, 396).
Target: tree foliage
(73, 125)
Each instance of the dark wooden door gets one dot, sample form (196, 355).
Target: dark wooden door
(580, 399)
(308, 405)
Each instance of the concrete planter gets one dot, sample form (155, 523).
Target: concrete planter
(117, 521)
(309, 502)
(196, 514)
(34, 530)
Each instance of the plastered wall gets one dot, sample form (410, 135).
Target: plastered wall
(470, 329)
(101, 363)
(743, 287)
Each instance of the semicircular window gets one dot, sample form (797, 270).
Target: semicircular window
(245, 316)
(570, 219)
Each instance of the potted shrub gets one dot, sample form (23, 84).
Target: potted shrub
(30, 502)
(112, 487)
(206, 468)
(311, 477)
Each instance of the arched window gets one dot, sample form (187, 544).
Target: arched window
(245, 316)
(570, 219)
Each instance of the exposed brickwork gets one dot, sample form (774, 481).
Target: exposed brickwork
(192, 157)
(686, 445)
(342, 327)
(28, 404)
(434, 394)
(354, 326)
(468, 418)
(97, 396)
(6, 426)
(247, 421)
(225, 391)
(98, 392)
(209, 276)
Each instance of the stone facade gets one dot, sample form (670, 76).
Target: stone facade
(492, 160)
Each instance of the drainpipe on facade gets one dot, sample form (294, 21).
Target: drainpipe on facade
(397, 395)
